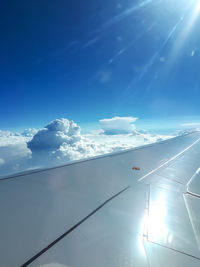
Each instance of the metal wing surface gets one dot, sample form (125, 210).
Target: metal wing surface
(140, 208)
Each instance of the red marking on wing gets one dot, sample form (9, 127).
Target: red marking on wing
(136, 168)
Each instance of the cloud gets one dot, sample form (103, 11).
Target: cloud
(118, 125)
(14, 152)
(61, 141)
(30, 132)
(191, 124)
(54, 135)
(119, 142)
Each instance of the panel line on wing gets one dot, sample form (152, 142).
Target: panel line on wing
(192, 194)
(72, 228)
(167, 162)
(181, 252)
(170, 224)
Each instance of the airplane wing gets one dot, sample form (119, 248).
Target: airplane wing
(140, 208)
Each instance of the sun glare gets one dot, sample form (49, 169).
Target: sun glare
(154, 225)
(197, 6)
(187, 21)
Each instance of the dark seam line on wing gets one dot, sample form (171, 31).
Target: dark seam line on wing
(192, 194)
(184, 253)
(71, 229)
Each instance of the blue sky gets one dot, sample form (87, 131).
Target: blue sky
(94, 59)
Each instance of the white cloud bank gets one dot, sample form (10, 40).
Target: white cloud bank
(13, 152)
(61, 141)
(118, 125)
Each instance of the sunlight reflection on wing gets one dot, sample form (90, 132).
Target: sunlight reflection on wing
(154, 223)
(156, 220)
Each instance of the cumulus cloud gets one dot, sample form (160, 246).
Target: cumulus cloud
(61, 141)
(118, 125)
(30, 132)
(54, 135)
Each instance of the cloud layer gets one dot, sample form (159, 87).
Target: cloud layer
(61, 141)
